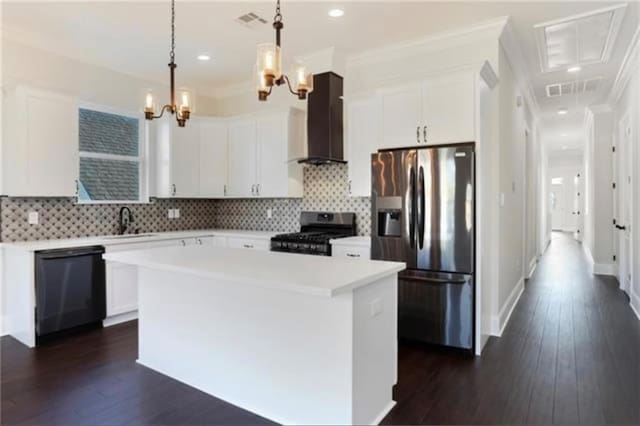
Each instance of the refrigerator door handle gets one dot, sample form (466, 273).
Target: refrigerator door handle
(421, 204)
(412, 208)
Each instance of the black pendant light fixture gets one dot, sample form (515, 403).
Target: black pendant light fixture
(182, 112)
(269, 67)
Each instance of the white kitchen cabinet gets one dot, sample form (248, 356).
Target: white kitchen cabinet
(122, 288)
(242, 158)
(213, 159)
(40, 147)
(363, 139)
(401, 116)
(352, 252)
(248, 243)
(448, 109)
(261, 152)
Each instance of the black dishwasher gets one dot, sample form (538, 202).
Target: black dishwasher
(70, 290)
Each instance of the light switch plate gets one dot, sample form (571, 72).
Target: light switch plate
(176, 213)
(269, 213)
(33, 218)
(170, 214)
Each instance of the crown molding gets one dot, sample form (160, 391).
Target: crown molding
(440, 41)
(523, 78)
(630, 66)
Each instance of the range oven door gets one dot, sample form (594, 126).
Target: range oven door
(435, 307)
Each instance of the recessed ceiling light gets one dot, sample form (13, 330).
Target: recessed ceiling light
(204, 57)
(563, 111)
(336, 13)
(574, 69)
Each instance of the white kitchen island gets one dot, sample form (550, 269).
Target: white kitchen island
(298, 339)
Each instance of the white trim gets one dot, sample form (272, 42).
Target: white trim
(532, 267)
(383, 413)
(499, 322)
(116, 157)
(634, 302)
(631, 57)
(119, 319)
(604, 269)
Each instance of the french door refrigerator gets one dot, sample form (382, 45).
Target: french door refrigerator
(423, 214)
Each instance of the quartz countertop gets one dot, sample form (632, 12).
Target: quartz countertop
(110, 240)
(312, 275)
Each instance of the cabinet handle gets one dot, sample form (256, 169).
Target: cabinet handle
(247, 245)
(183, 242)
(225, 190)
(77, 187)
(173, 189)
(349, 187)
(199, 241)
(258, 190)
(353, 255)
(424, 134)
(418, 134)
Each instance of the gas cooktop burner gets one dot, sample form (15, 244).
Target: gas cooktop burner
(317, 230)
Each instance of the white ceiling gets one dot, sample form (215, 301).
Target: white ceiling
(133, 37)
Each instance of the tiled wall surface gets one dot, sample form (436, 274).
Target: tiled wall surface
(63, 218)
(325, 189)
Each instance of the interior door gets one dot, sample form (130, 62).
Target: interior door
(242, 159)
(577, 206)
(624, 196)
(213, 159)
(273, 168)
(446, 209)
(185, 160)
(402, 117)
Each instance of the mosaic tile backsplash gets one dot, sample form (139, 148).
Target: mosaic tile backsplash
(325, 189)
(63, 218)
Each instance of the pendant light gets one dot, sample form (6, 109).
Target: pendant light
(269, 67)
(182, 112)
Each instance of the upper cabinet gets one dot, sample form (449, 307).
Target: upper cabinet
(40, 144)
(213, 158)
(261, 151)
(438, 110)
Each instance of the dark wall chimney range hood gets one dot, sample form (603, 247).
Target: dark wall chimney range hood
(324, 120)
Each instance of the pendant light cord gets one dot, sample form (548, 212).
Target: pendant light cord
(172, 55)
(278, 17)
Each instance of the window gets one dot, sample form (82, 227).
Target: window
(111, 157)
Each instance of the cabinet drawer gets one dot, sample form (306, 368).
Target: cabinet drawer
(353, 252)
(248, 243)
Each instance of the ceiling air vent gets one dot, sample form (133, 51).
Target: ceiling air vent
(573, 87)
(250, 20)
(560, 89)
(582, 39)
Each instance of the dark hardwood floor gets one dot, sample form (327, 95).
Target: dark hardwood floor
(570, 354)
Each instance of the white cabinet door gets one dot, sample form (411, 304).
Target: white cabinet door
(248, 243)
(449, 109)
(213, 159)
(185, 160)
(362, 140)
(122, 288)
(40, 152)
(242, 158)
(273, 169)
(401, 117)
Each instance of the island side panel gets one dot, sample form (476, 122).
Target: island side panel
(283, 355)
(19, 289)
(375, 349)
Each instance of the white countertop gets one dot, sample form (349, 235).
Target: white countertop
(352, 241)
(308, 274)
(109, 240)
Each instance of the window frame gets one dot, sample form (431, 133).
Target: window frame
(142, 158)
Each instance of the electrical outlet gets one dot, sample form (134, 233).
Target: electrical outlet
(176, 213)
(33, 218)
(269, 213)
(170, 214)
(376, 307)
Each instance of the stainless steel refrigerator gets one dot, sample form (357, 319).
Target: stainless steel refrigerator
(423, 213)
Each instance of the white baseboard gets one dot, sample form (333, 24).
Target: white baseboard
(118, 319)
(532, 267)
(500, 321)
(384, 413)
(634, 302)
(605, 269)
(4, 327)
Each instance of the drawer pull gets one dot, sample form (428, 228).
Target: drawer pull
(248, 245)
(353, 255)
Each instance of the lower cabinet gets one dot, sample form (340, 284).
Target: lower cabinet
(122, 289)
(350, 251)
(248, 243)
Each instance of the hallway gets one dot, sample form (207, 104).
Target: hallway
(570, 354)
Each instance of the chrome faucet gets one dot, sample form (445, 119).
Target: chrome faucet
(125, 219)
